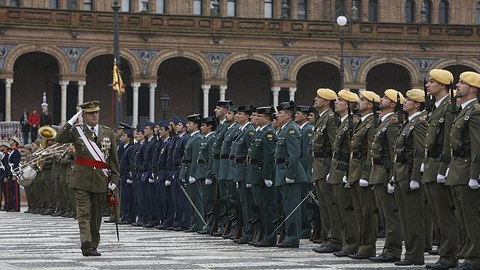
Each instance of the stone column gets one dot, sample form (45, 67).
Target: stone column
(135, 86)
(63, 114)
(292, 91)
(223, 89)
(8, 100)
(275, 92)
(81, 85)
(206, 91)
(152, 101)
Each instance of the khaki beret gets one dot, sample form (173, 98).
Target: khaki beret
(471, 78)
(90, 106)
(371, 96)
(348, 96)
(326, 93)
(392, 95)
(416, 95)
(442, 76)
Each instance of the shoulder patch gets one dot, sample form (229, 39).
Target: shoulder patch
(251, 133)
(331, 114)
(292, 131)
(269, 137)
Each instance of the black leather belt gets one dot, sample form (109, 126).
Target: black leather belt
(341, 157)
(224, 156)
(216, 156)
(255, 161)
(240, 160)
(321, 155)
(232, 157)
(187, 161)
(385, 163)
(356, 155)
(280, 160)
(201, 161)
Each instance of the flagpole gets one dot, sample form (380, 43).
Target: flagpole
(116, 56)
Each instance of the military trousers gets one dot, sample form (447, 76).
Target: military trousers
(29, 193)
(366, 214)
(329, 215)
(393, 230)
(344, 203)
(153, 203)
(183, 209)
(59, 196)
(50, 192)
(441, 199)
(160, 190)
(128, 203)
(89, 215)
(463, 240)
(291, 198)
(169, 209)
(13, 194)
(246, 199)
(195, 190)
(211, 205)
(470, 203)
(267, 200)
(410, 205)
(306, 229)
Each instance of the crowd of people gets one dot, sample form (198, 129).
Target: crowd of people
(332, 172)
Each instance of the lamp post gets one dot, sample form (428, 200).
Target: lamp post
(341, 22)
(116, 57)
(165, 101)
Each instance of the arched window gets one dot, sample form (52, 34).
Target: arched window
(160, 7)
(443, 12)
(231, 8)
(126, 6)
(410, 11)
(428, 7)
(302, 9)
(268, 8)
(53, 4)
(478, 13)
(373, 10)
(197, 7)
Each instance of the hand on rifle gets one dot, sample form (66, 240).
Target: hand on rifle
(473, 184)
(414, 185)
(363, 183)
(345, 182)
(191, 179)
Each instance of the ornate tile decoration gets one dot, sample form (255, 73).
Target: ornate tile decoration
(285, 62)
(354, 63)
(4, 50)
(73, 55)
(145, 57)
(215, 59)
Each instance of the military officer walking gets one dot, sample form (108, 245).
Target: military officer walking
(96, 171)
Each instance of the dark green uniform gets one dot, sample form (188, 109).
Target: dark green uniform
(90, 183)
(437, 157)
(204, 170)
(465, 165)
(382, 154)
(363, 197)
(409, 154)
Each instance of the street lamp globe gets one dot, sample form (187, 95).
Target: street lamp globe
(342, 20)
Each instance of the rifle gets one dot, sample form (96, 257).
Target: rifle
(399, 109)
(453, 99)
(375, 114)
(428, 101)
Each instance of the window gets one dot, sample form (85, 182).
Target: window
(87, 4)
(302, 9)
(428, 8)
(160, 7)
(140, 6)
(197, 7)
(478, 13)
(14, 3)
(373, 10)
(443, 12)
(53, 4)
(286, 9)
(126, 6)
(231, 8)
(268, 8)
(410, 11)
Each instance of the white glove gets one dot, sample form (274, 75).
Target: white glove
(414, 185)
(446, 174)
(129, 181)
(248, 185)
(191, 179)
(345, 182)
(167, 183)
(440, 179)
(236, 185)
(328, 176)
(390, 187)
(151, 181)
(363, 183)
(422, 167)
(208, 181)
(268, 183)
(112, 186)
(289, 181)
(183, 180)
(74, 118)
(473, 184)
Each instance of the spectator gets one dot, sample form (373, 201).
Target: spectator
(45, 119)
(25, 126)
(34, 121)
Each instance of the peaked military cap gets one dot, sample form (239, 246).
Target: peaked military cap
(210, 119)
(6, 144)
(123, 125)
(442, 76)
(254, 108)
(416, 95)
(326, 93)
(266, 110)
(305, 109)
(197, 118)
(90, 106)
(175, 120)
(371, 96)
(245, 108)
(392, 95)
(140, 128)
(149, 124)
(128, 132)
(233, 108)
(162, 123)
(182, 121)
(224, 103)
(471, 78)
(289, 105)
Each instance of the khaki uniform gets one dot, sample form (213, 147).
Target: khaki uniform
(465, 165)
(409, 149)
(90, 183)
(363, 197)
(322, 141)
(382, 154)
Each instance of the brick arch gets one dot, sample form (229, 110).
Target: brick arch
(411, 68)
(90, 54)
(56, 53)
(452, 62)
(207, 72)
(266, 59)
(305, 60)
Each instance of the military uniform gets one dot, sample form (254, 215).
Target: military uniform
(165, 193)
(126, 174)
(183, 209)
(150, 206)
(14, 193)
(409, 154)
(138, 185)
(88, 180)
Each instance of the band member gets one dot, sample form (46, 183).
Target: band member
(95, 172)
(14, 161)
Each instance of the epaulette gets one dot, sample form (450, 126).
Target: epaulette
(107, 127)
(331, 114)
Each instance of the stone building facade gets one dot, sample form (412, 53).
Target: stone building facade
(194, 52)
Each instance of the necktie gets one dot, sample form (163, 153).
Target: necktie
(94, 135)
